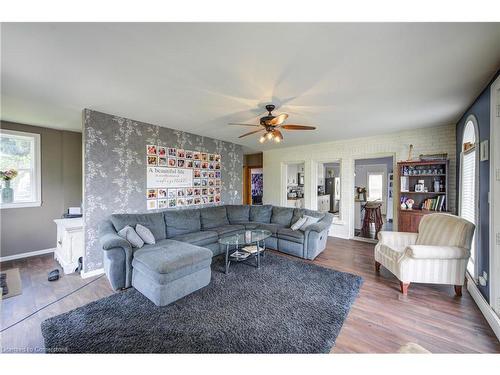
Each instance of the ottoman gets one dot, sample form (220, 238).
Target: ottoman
(170, 270)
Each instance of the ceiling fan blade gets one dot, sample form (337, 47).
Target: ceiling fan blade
(279, 119)
(249, 133)
(240, 124)
(278, 134)
(297, 127)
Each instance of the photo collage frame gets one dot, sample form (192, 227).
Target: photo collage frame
(206, 182)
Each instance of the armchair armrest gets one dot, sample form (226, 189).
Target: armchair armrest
(436, 252)
(397, 240)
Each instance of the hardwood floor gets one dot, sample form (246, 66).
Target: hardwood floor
(380, 321)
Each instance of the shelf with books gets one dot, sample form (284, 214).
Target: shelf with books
(423, 190)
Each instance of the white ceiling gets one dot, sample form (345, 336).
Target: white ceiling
(349, 80)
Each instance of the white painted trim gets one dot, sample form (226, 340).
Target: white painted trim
(37, 154)
(27, 255)
(86, 275)
(494, 157)
(491, 317)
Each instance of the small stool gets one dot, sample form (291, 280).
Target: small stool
(373, 214)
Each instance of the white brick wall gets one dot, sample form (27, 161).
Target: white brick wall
(439, 139)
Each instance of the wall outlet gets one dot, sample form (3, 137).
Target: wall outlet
(483, 279)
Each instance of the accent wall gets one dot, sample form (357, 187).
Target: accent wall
(481, 110)
(115, 169)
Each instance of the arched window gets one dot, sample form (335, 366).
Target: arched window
(469, 182)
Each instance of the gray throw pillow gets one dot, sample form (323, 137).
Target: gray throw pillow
(131, 236)
(145, 234)
(309, 220)
(298, 223)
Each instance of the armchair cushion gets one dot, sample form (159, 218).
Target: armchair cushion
(445, 230)
(437, 252)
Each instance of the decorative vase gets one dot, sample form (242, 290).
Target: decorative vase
(7, 193)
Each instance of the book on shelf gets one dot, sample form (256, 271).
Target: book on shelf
(434, 204)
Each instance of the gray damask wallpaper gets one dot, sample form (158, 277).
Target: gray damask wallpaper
(115, 169)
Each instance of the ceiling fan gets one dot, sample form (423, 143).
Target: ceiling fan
(272, 125)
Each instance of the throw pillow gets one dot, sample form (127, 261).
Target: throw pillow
(145, 234)
(298, 223)
(131, 236)
(309, 220)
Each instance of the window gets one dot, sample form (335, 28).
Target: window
(21, 151)
(375, 186)
(469, 179)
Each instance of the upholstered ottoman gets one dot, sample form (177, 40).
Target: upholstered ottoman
(170, 270)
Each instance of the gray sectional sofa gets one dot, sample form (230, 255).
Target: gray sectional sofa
(186, 241)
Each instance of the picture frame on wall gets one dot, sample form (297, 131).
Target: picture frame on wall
(151, 204)
(152, 194)
(162, 193)
(162, 203)
(205, 177)
(151, 149)
(152, 160)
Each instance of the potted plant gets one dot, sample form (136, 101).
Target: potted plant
(7, 192)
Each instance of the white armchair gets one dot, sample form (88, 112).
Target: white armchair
(438, 254)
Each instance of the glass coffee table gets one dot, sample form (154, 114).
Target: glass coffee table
(235, 241)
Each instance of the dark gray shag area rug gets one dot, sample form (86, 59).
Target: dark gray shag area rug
(286, 306)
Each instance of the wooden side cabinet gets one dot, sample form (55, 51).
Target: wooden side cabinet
(409, 220)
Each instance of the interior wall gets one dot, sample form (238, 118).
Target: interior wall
(425, 140)
(115, 169)
(32, 228)
(481, 109)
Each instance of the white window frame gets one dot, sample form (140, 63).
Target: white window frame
(475, 149)
(368, 174)
(37, 183)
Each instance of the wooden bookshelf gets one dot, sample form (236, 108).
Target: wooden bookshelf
(434, 175)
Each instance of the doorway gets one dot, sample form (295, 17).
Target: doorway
(253, 179)
(373, 197)
(294, 186)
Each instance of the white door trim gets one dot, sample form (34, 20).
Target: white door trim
(494, 146)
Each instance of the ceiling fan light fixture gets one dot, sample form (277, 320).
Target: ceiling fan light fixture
(262, 139)
(269, 135)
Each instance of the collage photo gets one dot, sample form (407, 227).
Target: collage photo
(206, 186)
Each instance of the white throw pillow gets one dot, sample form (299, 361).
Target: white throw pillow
(298, 223)
(145, 234)
(309, 220)
(131, 236)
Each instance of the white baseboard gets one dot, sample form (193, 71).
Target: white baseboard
(96, 272)
(27, 255)
(488, 312)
